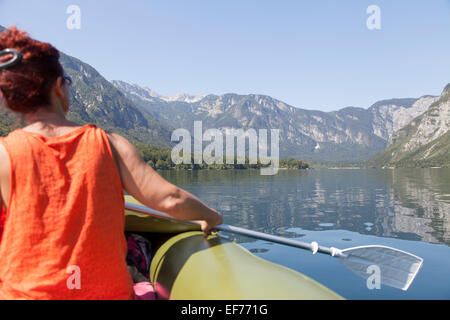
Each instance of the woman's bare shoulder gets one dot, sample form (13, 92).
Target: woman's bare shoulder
(121, 145)
(4, 157)
(5, 171)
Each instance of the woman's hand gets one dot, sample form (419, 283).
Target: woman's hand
(214, 219)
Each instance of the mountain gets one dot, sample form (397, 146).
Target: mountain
(147, 93)
(425, 141)
(142, 115)
(349, 134)
(184, 97)
(389, 116)
(95, 100)
(143, 92)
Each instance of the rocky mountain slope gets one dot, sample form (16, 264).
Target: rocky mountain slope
(95, 100)
(349, 134)
(425, 141)
(147, 93)
(389, 116)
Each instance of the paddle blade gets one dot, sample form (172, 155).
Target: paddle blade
(389, 266)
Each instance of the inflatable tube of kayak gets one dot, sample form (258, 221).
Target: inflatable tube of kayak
(190, 267)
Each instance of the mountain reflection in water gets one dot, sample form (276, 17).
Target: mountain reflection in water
(410, 204)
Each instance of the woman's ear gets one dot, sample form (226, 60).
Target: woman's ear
(61, 91)
(58, 87)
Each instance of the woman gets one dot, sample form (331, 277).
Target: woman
(61, 185)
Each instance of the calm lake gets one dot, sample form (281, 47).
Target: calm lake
(408, 209)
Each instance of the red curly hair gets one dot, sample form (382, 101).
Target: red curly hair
(26, 86)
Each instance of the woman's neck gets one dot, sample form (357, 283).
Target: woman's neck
(46, 117)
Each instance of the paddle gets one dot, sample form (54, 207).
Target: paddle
(396, 268)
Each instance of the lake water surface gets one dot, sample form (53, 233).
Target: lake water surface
(408, 209)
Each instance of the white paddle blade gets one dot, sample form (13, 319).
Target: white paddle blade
(383, 265)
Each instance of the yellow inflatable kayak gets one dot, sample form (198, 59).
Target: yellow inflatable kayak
(186, 266)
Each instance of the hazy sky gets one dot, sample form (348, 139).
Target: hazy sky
(309, 54)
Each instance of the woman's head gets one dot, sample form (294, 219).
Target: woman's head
(29, 84)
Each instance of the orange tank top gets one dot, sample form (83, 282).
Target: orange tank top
(63, 234)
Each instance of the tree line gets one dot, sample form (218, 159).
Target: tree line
(160, 159)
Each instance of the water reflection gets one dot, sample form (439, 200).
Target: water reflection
(411, 204)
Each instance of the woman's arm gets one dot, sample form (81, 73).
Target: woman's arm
(149, 188)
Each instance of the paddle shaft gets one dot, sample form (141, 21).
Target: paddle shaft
(272, 238)
(240, 231)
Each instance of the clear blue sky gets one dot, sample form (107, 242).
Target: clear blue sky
(309, 54)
